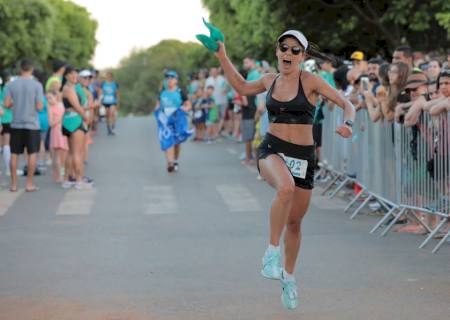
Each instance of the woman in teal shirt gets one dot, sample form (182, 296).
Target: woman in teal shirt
(6, 120)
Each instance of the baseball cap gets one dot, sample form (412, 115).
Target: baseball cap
(415, 80)
(297, 35)
(171, 74)
(357, 55)
(85, 73)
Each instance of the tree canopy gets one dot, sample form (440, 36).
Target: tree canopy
(141, 73)
(339, 26)
(44, 30)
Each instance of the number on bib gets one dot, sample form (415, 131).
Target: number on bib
(297, 167)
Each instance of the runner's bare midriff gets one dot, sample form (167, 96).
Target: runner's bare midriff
(300, 134)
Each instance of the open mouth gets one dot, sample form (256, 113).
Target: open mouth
(287, 62)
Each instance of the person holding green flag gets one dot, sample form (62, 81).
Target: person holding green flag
(286, 157)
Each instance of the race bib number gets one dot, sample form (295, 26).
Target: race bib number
(297, 167)
(108, 99)
(169, 110)
(198, 114)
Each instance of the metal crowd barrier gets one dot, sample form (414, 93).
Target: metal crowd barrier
(405, 170)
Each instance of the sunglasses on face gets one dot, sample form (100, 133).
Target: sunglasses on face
(295, 50)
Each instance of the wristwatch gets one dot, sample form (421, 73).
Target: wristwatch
(349, 123)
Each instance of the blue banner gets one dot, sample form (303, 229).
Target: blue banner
(173, 128)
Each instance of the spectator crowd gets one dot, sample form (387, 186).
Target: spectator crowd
(52, 119)
(395, 91)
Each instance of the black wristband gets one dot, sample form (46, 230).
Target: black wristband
(349, 123)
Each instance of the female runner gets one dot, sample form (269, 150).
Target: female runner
(286, 155)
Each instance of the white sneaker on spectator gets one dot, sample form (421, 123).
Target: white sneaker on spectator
(82, 185)
(67, 184)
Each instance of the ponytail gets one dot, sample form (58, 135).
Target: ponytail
(313, 51)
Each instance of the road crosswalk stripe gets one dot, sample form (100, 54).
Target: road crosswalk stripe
(238, 198)
(7, 199)
(159, 200)
(231, 151)
(77, 202)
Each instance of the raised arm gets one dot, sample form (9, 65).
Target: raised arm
(235, 79)
(323, 88)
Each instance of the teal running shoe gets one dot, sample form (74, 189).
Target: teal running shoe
(271, 265)
(289, 296)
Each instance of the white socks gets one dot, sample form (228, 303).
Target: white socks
(287, 276)
(284, 274)
(273, 248)
(7, 156)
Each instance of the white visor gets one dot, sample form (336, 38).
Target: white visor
(297, 35)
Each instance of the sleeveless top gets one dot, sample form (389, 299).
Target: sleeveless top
(67, 104)
(296, 111)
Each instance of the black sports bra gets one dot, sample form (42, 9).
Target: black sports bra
(67, 104)
(296, 111)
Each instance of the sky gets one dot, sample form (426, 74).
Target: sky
(136, 24)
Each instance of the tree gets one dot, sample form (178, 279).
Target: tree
(339, 26)
(43, 30)
(26, 30)
(141, 73)
(74, 37)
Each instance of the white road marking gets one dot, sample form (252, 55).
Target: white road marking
(7, 199)
(77, 202)
(231, 151)
(238, 198)
(159, 200)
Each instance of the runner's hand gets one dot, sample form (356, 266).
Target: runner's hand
(344, 131)
(221, 53)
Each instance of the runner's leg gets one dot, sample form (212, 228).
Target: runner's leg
(274, 171)
(293, 234)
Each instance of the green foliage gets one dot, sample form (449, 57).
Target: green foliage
(444, 21)
(140, 75)
(339, 26)
(26, 30)
(45, 29)
(74, 37)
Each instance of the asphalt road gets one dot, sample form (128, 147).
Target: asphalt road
(144, 244)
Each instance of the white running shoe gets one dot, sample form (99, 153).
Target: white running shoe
(82, 185)
(67, 184)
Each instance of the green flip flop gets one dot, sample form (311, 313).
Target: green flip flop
(214, 32)
(209, 43)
